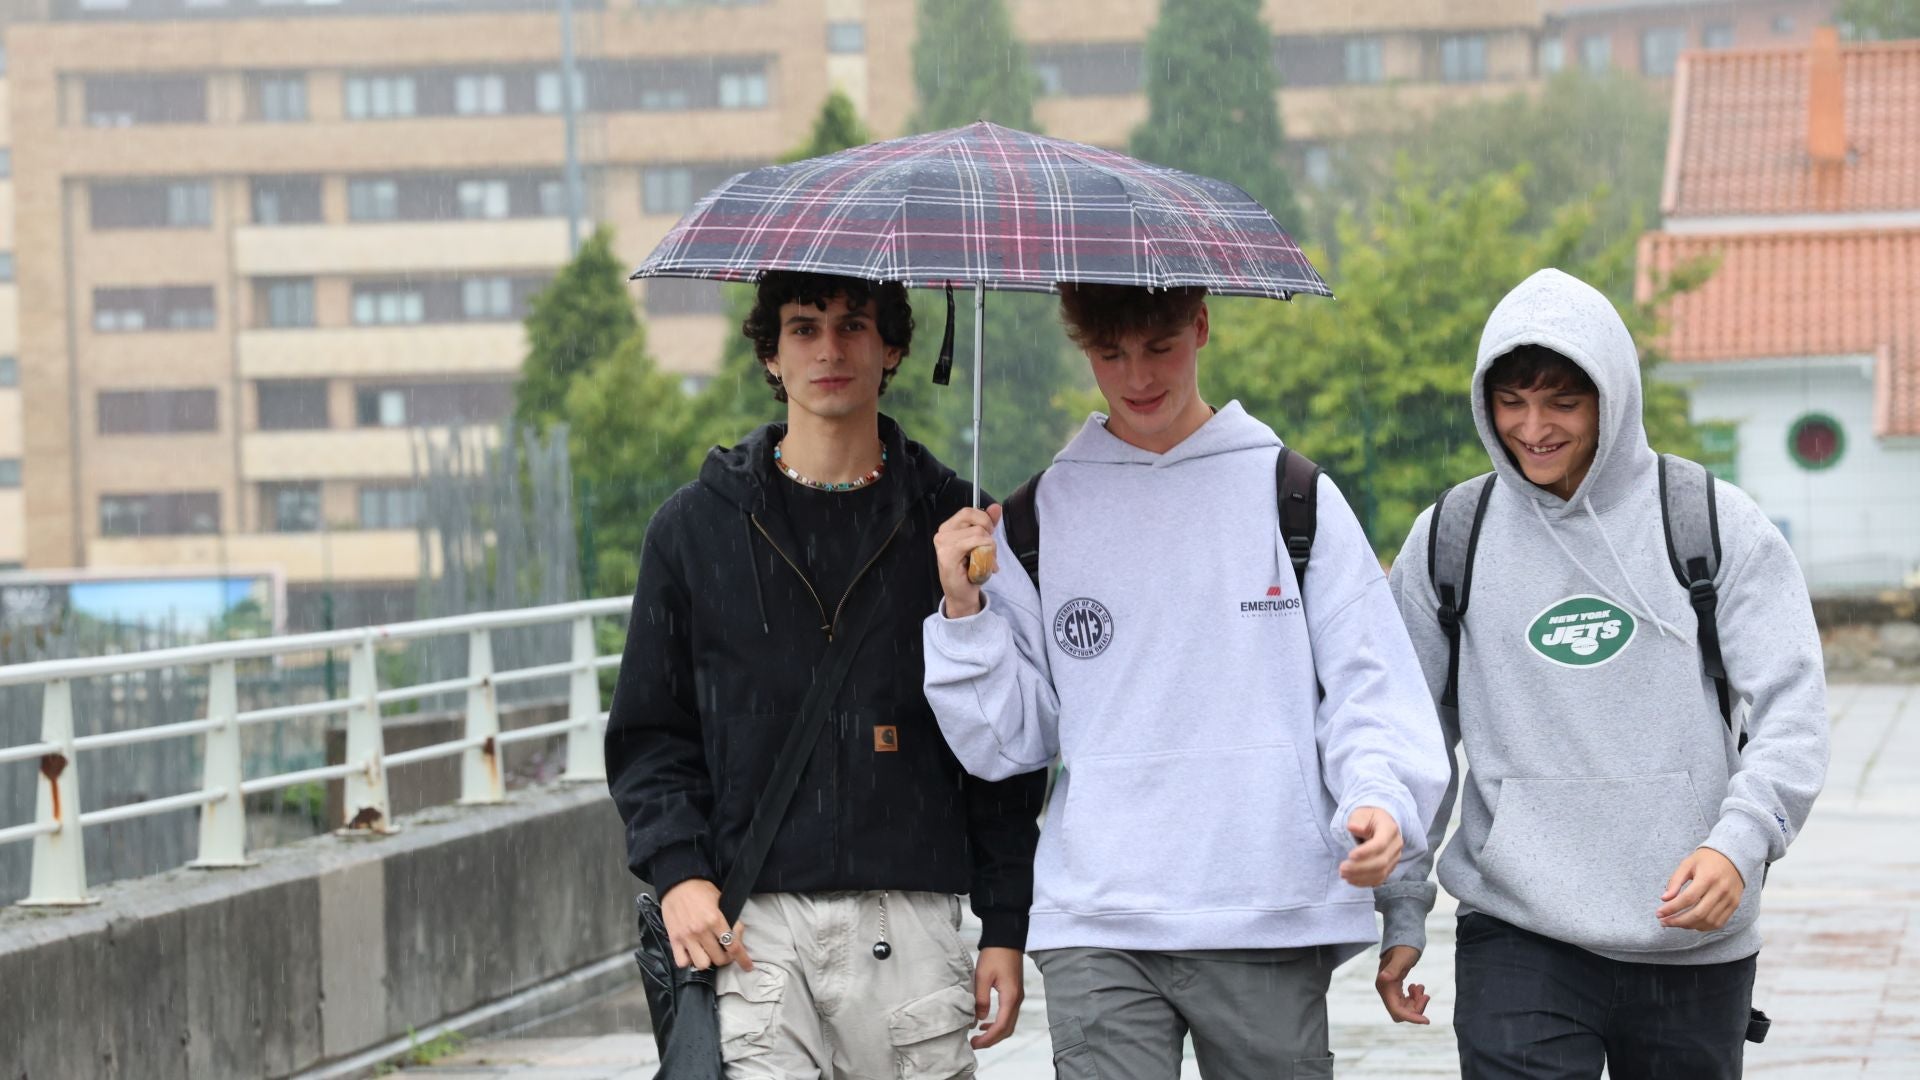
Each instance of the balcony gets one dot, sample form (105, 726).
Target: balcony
(382, 555)
(411, 247)
(444, 349)
(342, 453)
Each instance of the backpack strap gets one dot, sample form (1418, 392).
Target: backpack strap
(1022, 520)
(1692, 517)
(1453, 535)
(1297, 482)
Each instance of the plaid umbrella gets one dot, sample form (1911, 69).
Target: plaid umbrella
(990, 207)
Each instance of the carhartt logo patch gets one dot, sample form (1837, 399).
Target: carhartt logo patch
(1581, 631)
(886, 739)
(1083, 628)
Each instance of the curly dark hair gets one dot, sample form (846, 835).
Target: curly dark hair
(892, 315)
(1098, 316)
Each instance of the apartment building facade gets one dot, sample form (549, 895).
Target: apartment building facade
(263, 244)
(1646, 37)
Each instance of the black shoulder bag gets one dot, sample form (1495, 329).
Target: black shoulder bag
(681, 1000)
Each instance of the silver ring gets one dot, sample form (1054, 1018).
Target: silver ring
(726, 939)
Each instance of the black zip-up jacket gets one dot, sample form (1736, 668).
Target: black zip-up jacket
(725, 634)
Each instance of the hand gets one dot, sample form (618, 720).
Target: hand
(1710, 900)
(1379, 849)
(999, 970)
(1408, 1005)
(963, 532)
(691, 910)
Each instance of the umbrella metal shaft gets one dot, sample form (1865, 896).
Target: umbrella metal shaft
(979, 347)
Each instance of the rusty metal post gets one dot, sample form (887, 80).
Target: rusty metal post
(59, 858)
(366, 809)
(480, 772)
(586, 746)
(223, 822)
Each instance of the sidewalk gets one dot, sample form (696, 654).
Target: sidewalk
(1840, 974)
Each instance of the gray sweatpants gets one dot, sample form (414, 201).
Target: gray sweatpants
(1125, 1015)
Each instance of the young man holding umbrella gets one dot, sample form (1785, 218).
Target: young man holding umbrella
(847, 960)
(1616, 824)
(1245, 754)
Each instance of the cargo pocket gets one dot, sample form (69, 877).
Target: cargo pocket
(748, 1002)
(930, 1035)
(1072, 1057)
(1320, 1068)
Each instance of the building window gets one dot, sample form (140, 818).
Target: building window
(387, 305)
(1364, 63)
(433, 404)
(1553, 55)
(178, 204)
(666, 190)
(291, 507)
(9, 371)
(546, 92)
(1318, 162)
(1463, 58)
(9, 472)
(685, 296)
(292, 404)
(1660, 50)
(183, 513)
(1717, 36)
(553, 198)
(480, 95)
(380, 97)
(846, 37)
(125, 100)
(1816, 442)
(743, 90)
(280, 98)
(1720, 449)
(288, 303)
(483, 199)
(1596, 53)
(390, 507)
(286, 200)
(485, 299)
(158, 412)
(1783, 24)
(6, 162)
(373, 200)
(6, 267)
(171, 307)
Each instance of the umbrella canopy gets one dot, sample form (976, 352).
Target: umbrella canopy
(987, 205)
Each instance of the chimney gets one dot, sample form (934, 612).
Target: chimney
(1826, 99)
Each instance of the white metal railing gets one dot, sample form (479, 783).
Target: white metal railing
(59, 863)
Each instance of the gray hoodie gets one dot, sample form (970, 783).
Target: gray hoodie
(1169, 662)
(1593, 773)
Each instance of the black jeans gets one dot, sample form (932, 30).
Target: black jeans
(1531, 1008)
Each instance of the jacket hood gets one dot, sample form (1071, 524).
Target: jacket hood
(1560, 312)
(741, 473)
(1228, 431)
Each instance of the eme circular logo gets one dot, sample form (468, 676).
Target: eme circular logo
(1581, 631)
(1083, 627)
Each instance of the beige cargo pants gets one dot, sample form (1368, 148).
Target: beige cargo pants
(819, 1004)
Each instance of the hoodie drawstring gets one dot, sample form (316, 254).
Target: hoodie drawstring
(1663, 626)
(753, 567)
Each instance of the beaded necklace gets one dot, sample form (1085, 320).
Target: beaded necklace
(850, 485)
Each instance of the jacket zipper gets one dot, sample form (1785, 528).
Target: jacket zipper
(827, 624)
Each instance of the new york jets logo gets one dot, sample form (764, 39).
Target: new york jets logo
(1581, 631)
(1083, 628)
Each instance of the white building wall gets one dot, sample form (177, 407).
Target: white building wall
(1853, 526)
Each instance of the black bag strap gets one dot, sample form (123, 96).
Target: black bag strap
(794, 753)
(1022, 521)
(1453, 535)
(1296, 481)
(1692, 517)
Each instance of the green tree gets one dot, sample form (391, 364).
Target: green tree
(1880, 20)
(575, 323)
(968, 66)
(1375, 386)
(838, 127)
(628, 436)
(1210, 98)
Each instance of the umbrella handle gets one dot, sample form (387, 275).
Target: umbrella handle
(981, 564)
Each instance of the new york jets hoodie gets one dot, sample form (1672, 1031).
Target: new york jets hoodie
(1597, 756)
(1169, 660)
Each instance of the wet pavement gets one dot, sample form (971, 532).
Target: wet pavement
(1840, 973)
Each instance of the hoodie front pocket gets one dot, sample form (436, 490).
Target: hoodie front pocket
(1585, 859)
(1191, 830)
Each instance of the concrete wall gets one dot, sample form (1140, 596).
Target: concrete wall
(326, 948)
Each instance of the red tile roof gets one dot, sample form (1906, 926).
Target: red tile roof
(1740, 134)
(1801, 294)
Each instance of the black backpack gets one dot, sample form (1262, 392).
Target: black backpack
(1693, 550)
(1296, 481)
